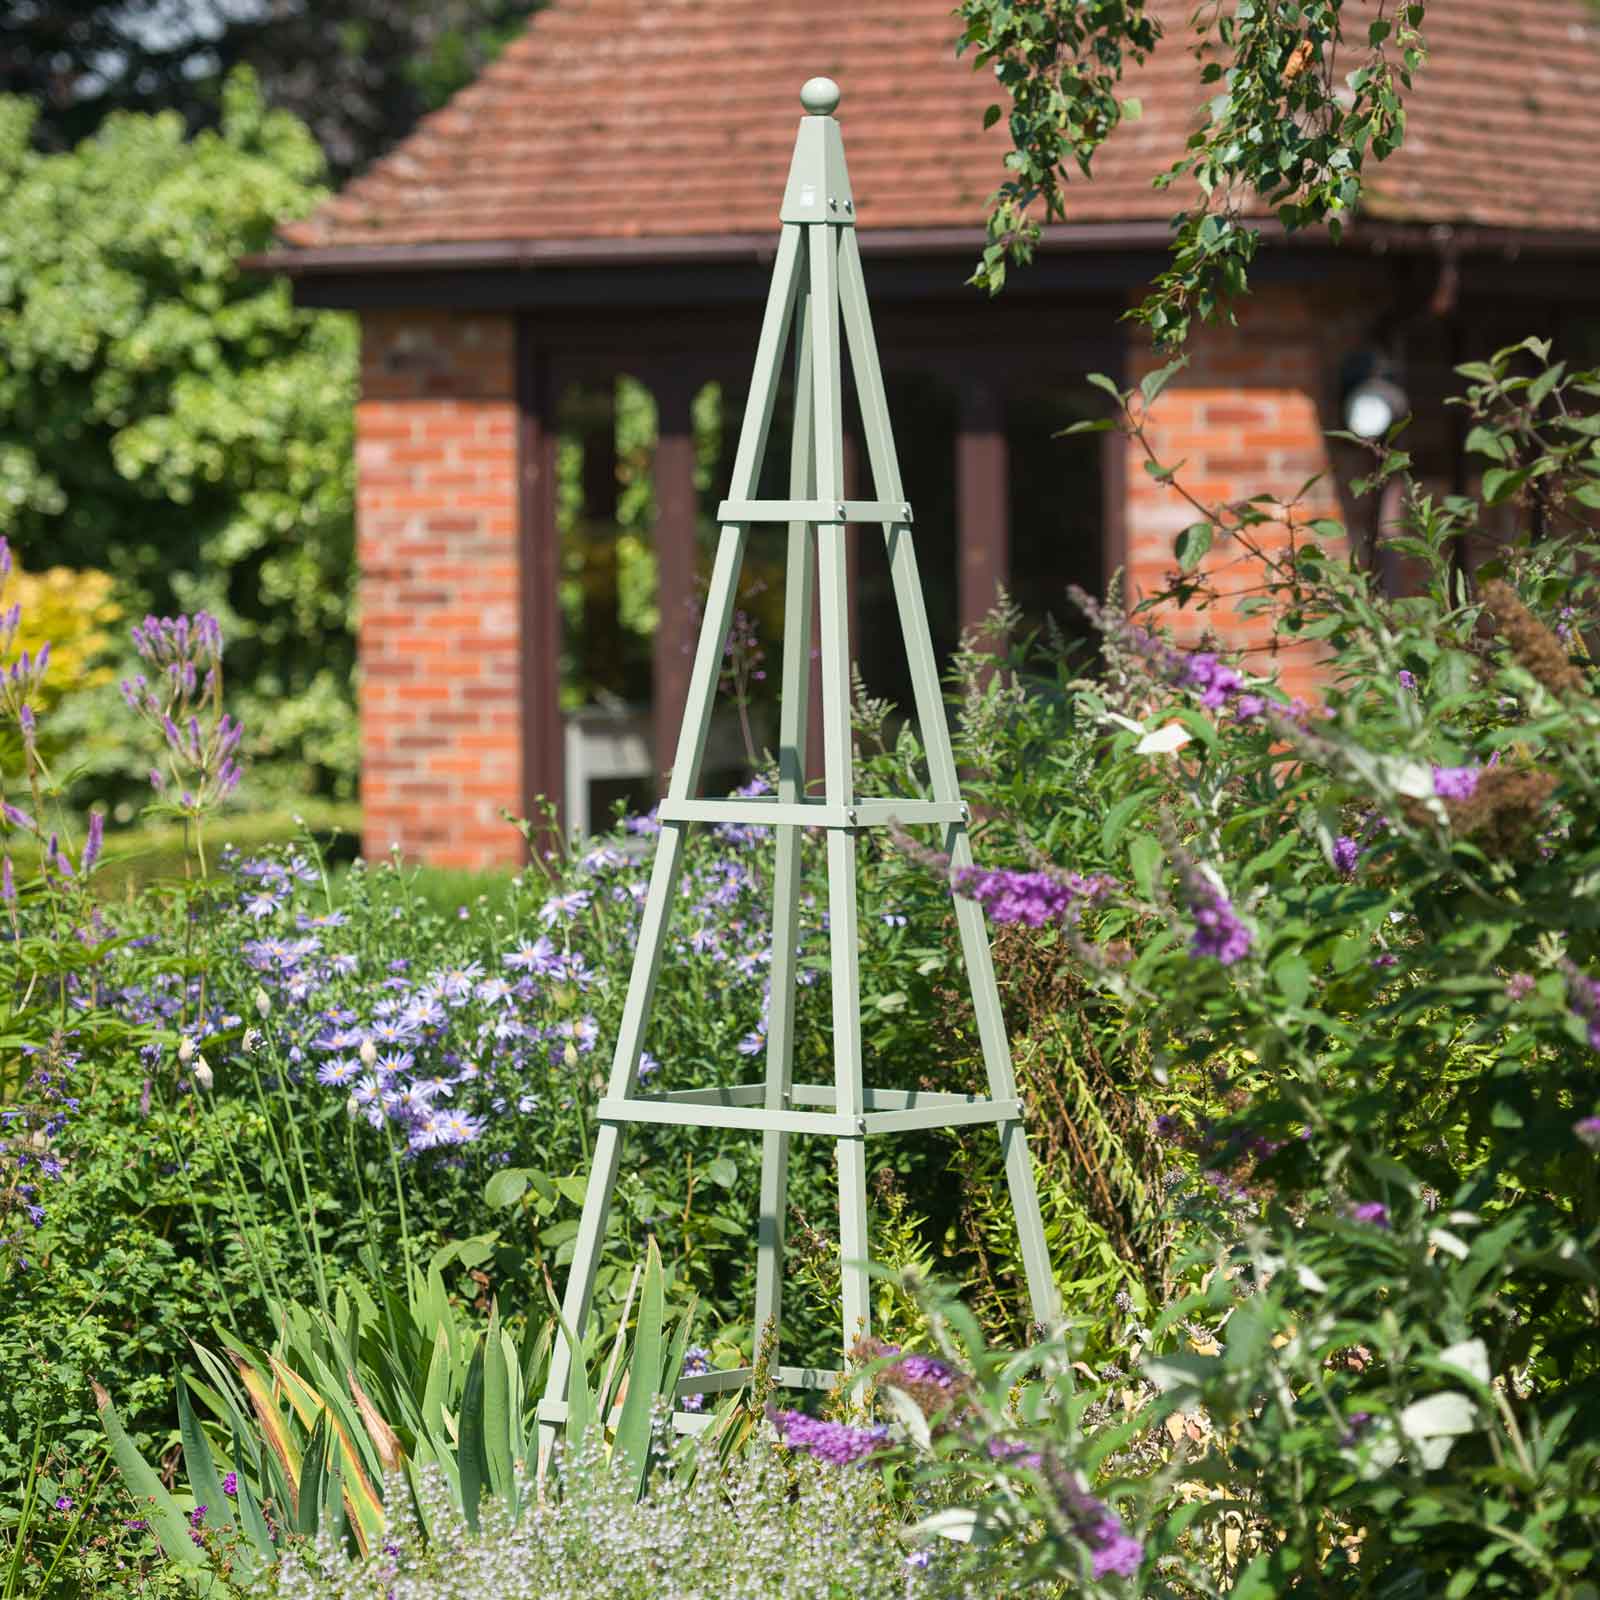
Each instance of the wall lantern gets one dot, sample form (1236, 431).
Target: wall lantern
(1370, 401)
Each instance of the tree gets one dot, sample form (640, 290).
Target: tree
(359, 73)
(1281, 125)
(166, 417)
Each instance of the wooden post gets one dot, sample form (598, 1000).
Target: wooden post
(540, 572)
(677, 512)
(983, 508)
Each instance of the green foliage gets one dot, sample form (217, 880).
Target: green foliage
(175, 420)
(1278, 124)
(1355, 951)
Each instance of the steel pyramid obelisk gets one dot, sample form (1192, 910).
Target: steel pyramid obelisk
(816, 286)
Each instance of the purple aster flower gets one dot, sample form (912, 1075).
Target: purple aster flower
(563, 907)
(538, 957)
(1346, 853)
(457, 982)
(336, 1073)
(696, 1362)
(456, 1127)
(836, 1443)
(1371, 1211)
(1455, 783)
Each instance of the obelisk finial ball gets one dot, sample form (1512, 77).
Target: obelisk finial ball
(819, 96)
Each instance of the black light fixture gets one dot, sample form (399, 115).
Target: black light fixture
(1370, 400)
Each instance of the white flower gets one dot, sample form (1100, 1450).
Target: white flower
(1164, 741)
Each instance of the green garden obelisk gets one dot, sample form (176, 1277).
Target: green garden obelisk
(816, 286)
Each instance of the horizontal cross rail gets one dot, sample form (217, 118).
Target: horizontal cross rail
(825, 1094)
(814, 813)
(897, 512)
(738, 1094)
(754, 1119)
(957, 1116)
(555, 1412)
(886, 1110)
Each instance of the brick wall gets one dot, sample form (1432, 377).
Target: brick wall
(1246, 417)
(437, 546)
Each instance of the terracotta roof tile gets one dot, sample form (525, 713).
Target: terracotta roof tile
(670, 118)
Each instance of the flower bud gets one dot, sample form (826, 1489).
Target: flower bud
(352, 1107)
(263, 1003)
(368, 1052)
(569, 1056)
(186, 1050)
(202, 1072)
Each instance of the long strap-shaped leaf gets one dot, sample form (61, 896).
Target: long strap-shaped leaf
(363, 1503)
(167, 1522)
(631, 1447)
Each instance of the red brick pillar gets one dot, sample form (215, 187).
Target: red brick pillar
(1245, 417)
(437, 548)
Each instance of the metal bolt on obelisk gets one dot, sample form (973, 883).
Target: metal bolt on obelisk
(816, 306)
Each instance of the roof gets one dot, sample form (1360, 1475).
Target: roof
(639, 120)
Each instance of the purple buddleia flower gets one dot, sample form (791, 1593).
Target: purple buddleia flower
(1346, 853)
(1455, 783)
(836, 1443)
(1217, 929)
(924, 1369)
(1583, 1000)
(91, 845)
(1011, 1451)
(1588, 1131)
(1358, 1423)
(1217, 681)
(1371, 1211)
(1033, 898)
(1407, 680)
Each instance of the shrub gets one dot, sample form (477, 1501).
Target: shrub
(1354, 949)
